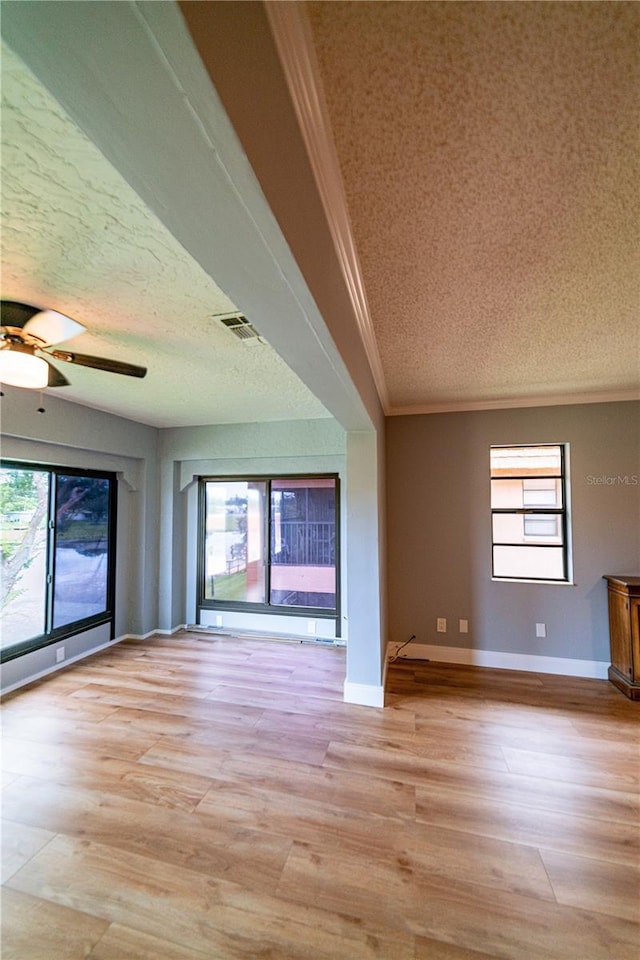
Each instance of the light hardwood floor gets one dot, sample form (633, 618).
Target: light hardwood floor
(205, 797)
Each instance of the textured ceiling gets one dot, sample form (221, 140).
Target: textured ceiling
(78, 239)
(489, 153)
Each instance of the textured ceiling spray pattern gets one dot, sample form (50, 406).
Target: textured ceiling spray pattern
(489, 154)
(77, 238)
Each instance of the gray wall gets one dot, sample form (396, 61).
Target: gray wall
(39, 663)
(439, 536)
(186, 453)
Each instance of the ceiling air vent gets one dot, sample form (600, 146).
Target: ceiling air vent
(241, 328)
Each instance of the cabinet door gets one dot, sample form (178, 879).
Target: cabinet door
(619, 634)
(634, 612)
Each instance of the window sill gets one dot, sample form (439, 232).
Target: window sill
(555, 583)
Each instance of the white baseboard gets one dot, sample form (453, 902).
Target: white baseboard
(170, 633)
(151, 633)
(58, 666)
(365, 694)
(529, 663)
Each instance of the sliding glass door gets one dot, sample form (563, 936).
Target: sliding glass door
(57, 530)
(23, 542)
(270, 543)
(81, 565)
(303, 543)
(234, 564)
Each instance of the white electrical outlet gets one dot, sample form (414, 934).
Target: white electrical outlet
(59, 654)
(541, 630)
(218, 619)
(463, 626)
(311, 626)
(441, 625)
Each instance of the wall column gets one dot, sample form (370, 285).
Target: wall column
(366, 642)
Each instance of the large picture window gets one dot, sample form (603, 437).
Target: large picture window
(529, 512)
(270, 543)
(57, 528)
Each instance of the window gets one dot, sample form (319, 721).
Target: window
(529, 513)
(270, 544)
(234, 555)
(57, 533)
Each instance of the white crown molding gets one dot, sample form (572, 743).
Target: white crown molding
(292, 35)
(512, 403)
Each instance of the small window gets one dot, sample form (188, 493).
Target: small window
(529, 513)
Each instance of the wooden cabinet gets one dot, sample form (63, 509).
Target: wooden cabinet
(624, 634)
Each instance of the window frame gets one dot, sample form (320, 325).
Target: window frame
(55, 635)
(562, 513)
(239, 606)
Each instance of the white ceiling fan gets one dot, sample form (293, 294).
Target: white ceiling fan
(28, 339)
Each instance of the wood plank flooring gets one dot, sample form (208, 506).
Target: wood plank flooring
(212, 797)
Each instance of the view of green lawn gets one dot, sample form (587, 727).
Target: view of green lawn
(231, 586)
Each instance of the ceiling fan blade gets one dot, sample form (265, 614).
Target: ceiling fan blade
(49, 326)
(99, 363)
(56, 379)
(53, 327)
(14, 314)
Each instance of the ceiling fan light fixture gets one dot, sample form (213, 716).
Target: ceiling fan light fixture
(21, 368)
